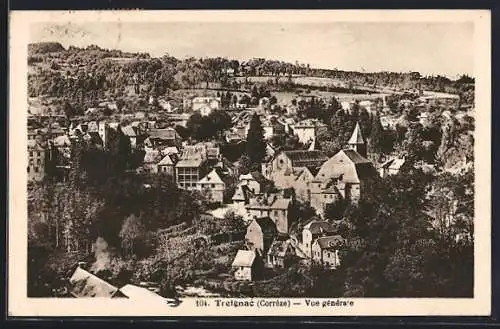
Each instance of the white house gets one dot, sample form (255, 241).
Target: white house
(212, 186)
(244, 265)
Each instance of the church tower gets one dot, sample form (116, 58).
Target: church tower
(357, 142)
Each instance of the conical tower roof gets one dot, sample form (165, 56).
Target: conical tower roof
(357, 137)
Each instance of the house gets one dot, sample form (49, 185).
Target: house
(325, 250)
(391, 167)
(260, 234)
(241, 198)
(251, 182)
(205, 103)
(280, 254)
(83, 284)
(151, 159)
(131, 134)
(244, 265)
(212, 186)
(36, 161)
(305, 130)
(63, 145)
(163, 137)
(188, 172)
(191, 167)
(281, 168)
(312, 231)
(167, 164)
(301, 183)
(274, 206)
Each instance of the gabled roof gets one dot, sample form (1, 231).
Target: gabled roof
(165, 134)
(281, 203)
(128, 131)
(244, 258)
(211, 178)
(195, 163)
(141, 294)
(330, 242)
(166, 161)
(348, 165)
(356, 137)
(279, 248)
(396, 163)
(240, 194)
(151, 156)
(306, 158)
(85, 284)
(355, 157)
(318, 227)
(266, 224)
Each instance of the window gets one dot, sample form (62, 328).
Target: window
(36, 169)
(28, 169)
(38, 161)
(212, 185)
(31, 153)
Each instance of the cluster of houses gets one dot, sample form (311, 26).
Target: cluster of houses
(307, 176)
(271, 238)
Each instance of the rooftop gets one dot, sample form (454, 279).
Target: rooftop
(244, 258)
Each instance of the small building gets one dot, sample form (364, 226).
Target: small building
(36, 161)
(84, 284)
(244, 265)
(260, 234)
(391, 167)
(280, 254)
(305, 130)
(167, 164)
(163, 137)
(325, 250)
(251, 182)
(141, 294)
(212, 103)
(212, 186)
(312, 231)
(131, 134)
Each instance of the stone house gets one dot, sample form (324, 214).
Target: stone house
(260, 234)
(212, 186)
(244, 265)
(325, 250)
(280, 254)
(312, 231)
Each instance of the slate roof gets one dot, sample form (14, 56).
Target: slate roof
(348, 165)
(318, 227)
(128, 131)
(167, 161)
(356, 137)
(279, 248)
(86, 284)
(266, 224)
(164, 134)
(355, 157)
(393, 163)
(330, 242)
(306, 158)
(244, 258)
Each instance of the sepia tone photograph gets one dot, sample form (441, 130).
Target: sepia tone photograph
(224, 161)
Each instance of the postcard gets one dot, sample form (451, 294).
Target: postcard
(249, 163)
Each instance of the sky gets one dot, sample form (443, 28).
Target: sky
(430, 48)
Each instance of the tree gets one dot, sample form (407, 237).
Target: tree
(132, 228)
(256, 145)
(376, 141)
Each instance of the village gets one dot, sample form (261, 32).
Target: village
(251, 155)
